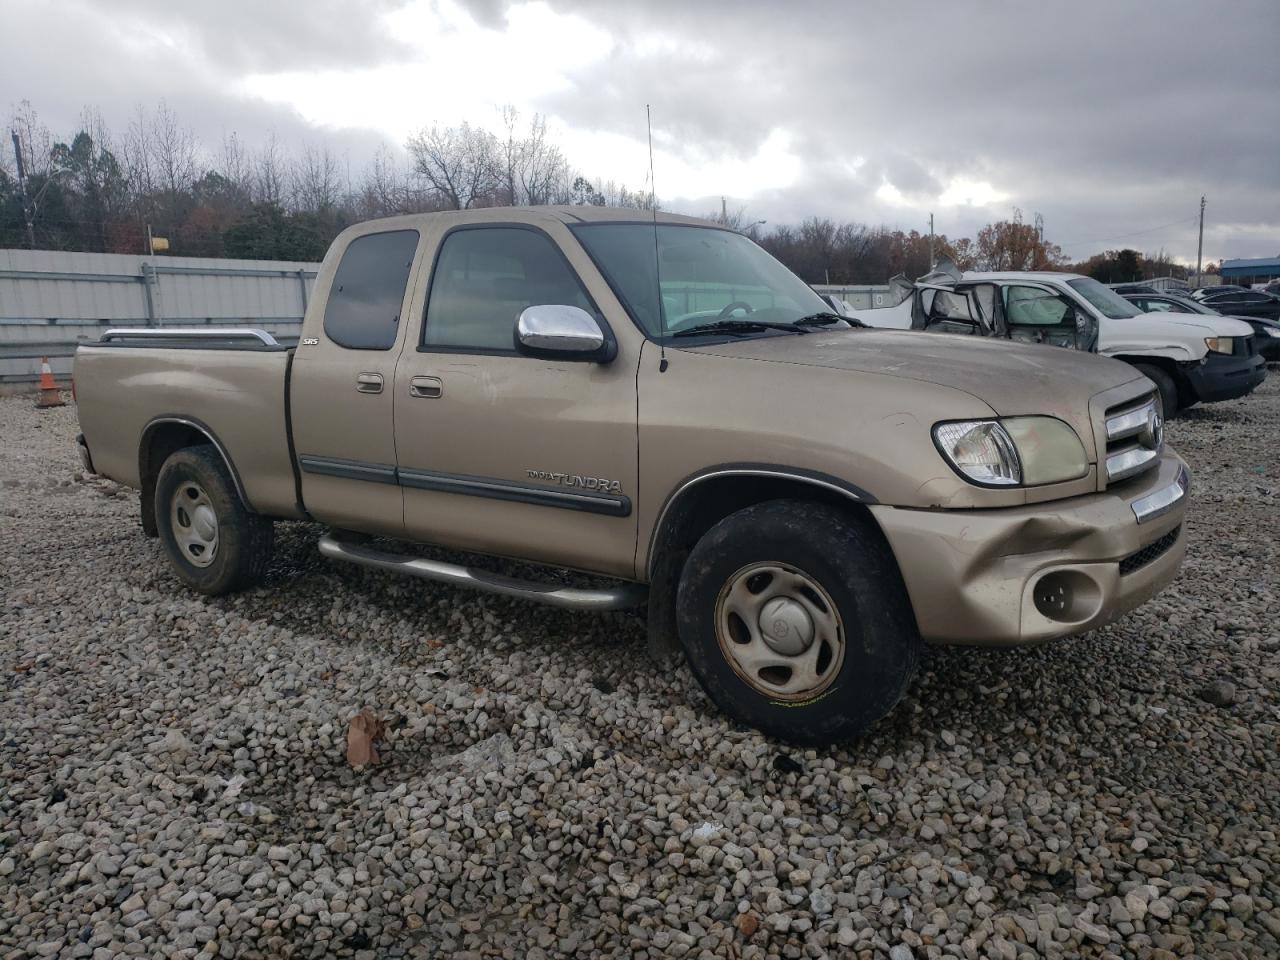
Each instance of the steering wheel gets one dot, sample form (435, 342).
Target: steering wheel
(729, 308)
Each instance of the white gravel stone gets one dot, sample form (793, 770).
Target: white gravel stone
(175, 783)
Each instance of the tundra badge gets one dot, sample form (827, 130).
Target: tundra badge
(574, 480)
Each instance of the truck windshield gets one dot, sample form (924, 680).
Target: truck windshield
(1105, 300)
(689, 276)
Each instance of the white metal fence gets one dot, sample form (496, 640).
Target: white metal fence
(50, 300)
(861, 297)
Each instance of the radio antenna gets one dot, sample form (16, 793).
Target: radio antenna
(657, 259)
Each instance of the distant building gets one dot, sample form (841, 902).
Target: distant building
(1248, 272)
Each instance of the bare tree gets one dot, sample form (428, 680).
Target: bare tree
(459, 164)
(316, 183)
(137, 152)
(235, 164)
(35, 139)
(175, 152)
(544, 171)
(269, 172)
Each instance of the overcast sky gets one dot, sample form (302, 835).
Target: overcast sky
(1109, 118)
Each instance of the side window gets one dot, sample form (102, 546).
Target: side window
(363, 310)
(1156, 306)
(1033, 307)
(950, 312)
(484, 278)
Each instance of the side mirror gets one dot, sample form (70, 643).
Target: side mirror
(562, 332)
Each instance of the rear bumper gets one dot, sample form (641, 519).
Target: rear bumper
(1223, 377)
(1026, 575)
(82, 447)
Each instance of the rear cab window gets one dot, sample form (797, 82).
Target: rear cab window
(367, 295)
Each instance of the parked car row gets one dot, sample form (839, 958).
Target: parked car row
(1266, 331)
(1191, 357)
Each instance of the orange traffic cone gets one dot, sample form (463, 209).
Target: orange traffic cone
(49, 395)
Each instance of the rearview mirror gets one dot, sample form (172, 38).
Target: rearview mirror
(563, 332)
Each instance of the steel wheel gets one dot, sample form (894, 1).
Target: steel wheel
(780, 631)
(194, 523)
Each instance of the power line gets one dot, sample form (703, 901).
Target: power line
(1123, 236)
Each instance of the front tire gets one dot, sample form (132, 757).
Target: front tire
(1165, 387)
(215, 545)
(795, 620)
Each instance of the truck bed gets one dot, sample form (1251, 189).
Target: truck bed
(232, 383)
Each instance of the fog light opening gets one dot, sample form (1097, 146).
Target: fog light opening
(1067, 596)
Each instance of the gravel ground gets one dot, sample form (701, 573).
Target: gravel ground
(173, 781)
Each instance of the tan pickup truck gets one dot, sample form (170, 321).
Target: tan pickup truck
(800, 501)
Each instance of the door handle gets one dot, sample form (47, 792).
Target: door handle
(369, 383)
(427, 388)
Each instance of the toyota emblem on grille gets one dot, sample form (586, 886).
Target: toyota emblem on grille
(1153, 432)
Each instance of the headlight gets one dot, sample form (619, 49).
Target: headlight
(1220, 344)
(981, 450)
(1013, 452)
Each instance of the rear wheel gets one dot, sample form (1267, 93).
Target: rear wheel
(1165, 387)
(795, 620)
(214, 544)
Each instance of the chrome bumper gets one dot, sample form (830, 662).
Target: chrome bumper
(1163, 500)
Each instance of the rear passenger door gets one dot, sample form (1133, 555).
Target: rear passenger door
(342, 383)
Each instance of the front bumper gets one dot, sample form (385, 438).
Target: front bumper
(1025, 575)
(1226, 377)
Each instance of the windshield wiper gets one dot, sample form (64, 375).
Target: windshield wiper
(738, 327)
(826, 317)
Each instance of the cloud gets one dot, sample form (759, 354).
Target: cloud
(1106, 119)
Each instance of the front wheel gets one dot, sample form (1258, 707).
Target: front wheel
(1165, 388)
(214, 544)
(796, 621)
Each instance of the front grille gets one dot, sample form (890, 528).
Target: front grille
(1151, 552)
(1134, 434)
(1244, 347)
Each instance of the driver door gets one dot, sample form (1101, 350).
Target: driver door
(1037, 313)
(504, 453)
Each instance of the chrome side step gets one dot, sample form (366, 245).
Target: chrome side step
(622, 597)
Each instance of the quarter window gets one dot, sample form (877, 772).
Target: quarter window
(485, 277)
(363, 310)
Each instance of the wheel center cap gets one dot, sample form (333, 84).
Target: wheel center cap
(786, 626)
(205, 522)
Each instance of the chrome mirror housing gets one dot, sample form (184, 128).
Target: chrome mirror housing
(563, 332)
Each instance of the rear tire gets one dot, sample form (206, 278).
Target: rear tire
(796, 621)
(1165, 387)
(215, 545)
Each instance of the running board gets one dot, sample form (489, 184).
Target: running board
(622, 597)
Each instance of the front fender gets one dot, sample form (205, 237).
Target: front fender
(1177, 352)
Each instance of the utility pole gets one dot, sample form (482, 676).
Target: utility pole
(724, 211)
(22, 186)
(1200, 244)
(931, 261)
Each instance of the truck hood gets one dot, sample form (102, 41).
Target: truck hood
(1011, 378)
(1177, 335)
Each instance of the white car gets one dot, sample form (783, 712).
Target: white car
(1191, 358)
